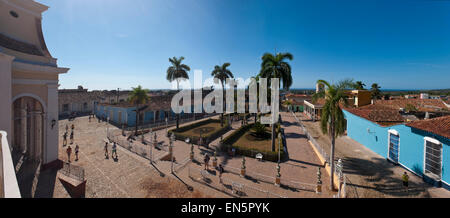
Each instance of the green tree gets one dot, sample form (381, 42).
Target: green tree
(376, 93)
(138, 96)
(359, 85)
(222, 73)
(276, 66)
(332, 121)
(177, 72)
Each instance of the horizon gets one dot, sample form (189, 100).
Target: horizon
(125, 44)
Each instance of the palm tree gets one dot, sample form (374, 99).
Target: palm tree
(332, 119)
(222, 73)
(138, 96)
(177, 71)
(376, 94)
(359, 85)
(276, 66)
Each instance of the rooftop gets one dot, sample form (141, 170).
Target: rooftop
(439, 126)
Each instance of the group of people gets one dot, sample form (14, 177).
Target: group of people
(113, 151)
(220, 168)
(69, 149)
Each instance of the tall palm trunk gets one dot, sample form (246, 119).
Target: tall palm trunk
(332, 156)
(223, 104)
(273, 136)
(178, 114)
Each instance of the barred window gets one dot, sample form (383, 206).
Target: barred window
(433, 160)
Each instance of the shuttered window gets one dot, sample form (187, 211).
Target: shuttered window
(433, 158)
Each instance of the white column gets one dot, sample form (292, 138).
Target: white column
(23, 125)
(51, 147)
(6, 95)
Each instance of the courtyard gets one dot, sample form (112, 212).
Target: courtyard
(132, 175)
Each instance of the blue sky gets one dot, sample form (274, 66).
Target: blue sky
(111, 44)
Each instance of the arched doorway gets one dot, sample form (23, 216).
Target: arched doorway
(28, 130)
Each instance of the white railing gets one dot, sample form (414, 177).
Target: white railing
(10, 187)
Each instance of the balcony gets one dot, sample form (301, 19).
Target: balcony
(9, 187)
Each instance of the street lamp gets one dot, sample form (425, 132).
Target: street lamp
(107, 128)
(192, 148)
(172, 139)
(167, 128)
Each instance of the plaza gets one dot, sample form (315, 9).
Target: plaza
(132, 174)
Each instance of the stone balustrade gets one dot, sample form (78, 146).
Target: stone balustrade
(9, 187)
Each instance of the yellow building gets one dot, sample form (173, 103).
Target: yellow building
(28, 83)
(362, 97)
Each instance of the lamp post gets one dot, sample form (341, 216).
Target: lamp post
(243, 167)
(167, 128)
(151, 148)
(278, 178)
(172, 139)
(319, 181)
(191, 156)
(107, 128)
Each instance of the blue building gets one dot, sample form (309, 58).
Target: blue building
(156, 111)
(421, 146)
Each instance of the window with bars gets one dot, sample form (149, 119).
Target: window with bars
(433, 161)
(393, 146)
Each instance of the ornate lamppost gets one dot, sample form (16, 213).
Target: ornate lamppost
(278, 178)
(215, 159)
(243, 167)
(107, 128)
(191, 156)
(319, 181)
(155, 141)
(167, 128)
(172, 139)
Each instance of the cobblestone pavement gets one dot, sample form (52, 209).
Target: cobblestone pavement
(133, 176)
(299, 171)
(127, 176)
(371, 174)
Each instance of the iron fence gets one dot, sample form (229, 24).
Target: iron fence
(228, 186)
(144, 150)
(343, 189)
(170, 122)
(73, 171)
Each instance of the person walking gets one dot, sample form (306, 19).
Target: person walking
(73, 127)
(220, 173)
(206, 161)
(64, 139)
(77, 148)
(405, 179)
(106, 150)
(69, 152)
(114, 151)
(71, 137)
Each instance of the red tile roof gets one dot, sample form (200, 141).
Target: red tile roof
(424, 105)
(439, 126)
(383, 117)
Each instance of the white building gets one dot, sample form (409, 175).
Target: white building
(28, 83)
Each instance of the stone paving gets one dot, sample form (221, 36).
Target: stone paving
(131, 175)
(127, 176)
(371, 174)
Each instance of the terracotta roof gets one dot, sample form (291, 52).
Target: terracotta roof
(439, 126)
(424, 105)
(19, 46)
(383, 117)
